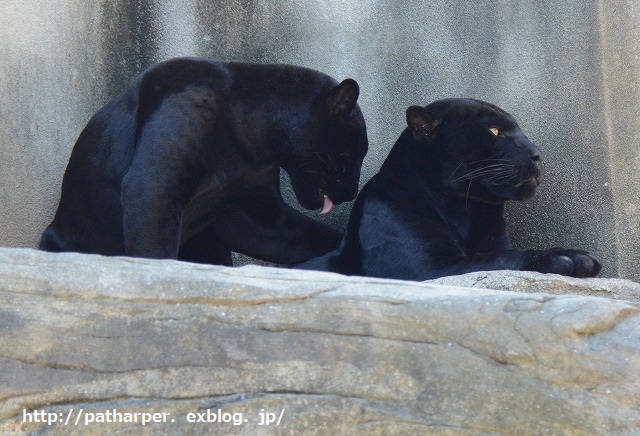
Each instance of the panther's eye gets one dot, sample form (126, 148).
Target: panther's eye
(494, 131)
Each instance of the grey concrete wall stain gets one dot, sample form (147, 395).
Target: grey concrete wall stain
(568, 72)
(44, 86)
(621, 77)
(128, 41)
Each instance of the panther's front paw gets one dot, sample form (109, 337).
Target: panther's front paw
(573, 263)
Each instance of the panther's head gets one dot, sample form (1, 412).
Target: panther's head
(324, 165)
(480, 151)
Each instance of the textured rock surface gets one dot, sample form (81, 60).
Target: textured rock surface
(338, 355)
(526, 281)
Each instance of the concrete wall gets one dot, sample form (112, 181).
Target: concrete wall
(568, 72)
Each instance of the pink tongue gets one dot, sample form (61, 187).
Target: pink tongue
(328, 205)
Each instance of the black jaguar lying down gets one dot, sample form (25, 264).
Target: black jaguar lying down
(436, 206)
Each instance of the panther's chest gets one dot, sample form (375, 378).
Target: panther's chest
(218, 189)
(459, 230)
(486, 229)
(475, 227)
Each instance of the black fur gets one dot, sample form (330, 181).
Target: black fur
(436, 206)
(185, 164)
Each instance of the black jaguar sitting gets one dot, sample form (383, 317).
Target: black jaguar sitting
(185, 164)
(436, 206)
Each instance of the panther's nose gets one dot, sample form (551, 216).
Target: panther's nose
(536, 155)
(534, 152)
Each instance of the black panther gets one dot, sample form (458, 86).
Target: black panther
(185, 164)
(436, 206)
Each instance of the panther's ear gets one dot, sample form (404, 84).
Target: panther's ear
(342, 98)
(421, 122)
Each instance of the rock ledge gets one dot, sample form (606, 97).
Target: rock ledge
(90, 338)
